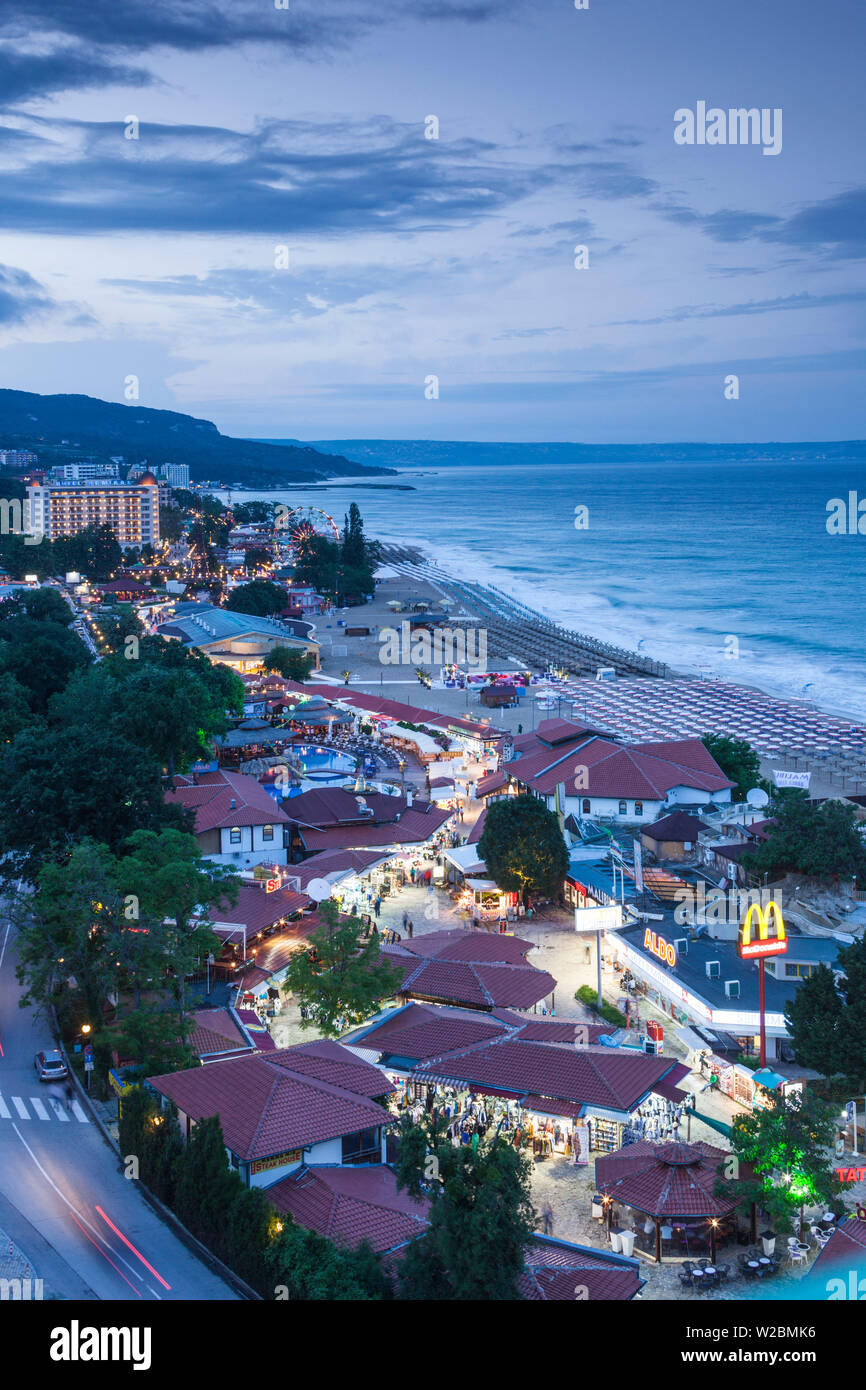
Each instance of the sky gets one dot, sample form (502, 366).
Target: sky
(241, 207)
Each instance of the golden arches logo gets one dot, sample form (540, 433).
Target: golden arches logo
(765, 945)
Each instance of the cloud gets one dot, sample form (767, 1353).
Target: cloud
(754, 306)
(834, 225)
(82, 43)
(282, 179)
(22, 299)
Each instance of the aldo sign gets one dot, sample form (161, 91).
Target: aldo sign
(659, 947)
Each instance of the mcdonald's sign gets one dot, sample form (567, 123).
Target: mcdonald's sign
(764, 945)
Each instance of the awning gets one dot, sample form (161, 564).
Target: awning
(668, 1089)
(768, 1078)
(543, 1105)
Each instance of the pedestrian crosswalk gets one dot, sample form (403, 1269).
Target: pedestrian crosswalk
(45, 1107)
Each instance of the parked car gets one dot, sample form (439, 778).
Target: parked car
(50, 1066)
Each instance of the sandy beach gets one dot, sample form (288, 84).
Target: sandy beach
(797, 736)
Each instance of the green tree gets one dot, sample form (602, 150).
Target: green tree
(341, 975)
(60, 785)
(851, 961)
(175, 886)
(738, 761)
(291, 662)
(260, 597)
(785, 1158)
(205, 1187)
(69, 929)
(170, 524)
(481, 1217)
(523, 847)
(148, 1035)
(40, 655)
(822, 840)
(814, 1019)
(302, 1265)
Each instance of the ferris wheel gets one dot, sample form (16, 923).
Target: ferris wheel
(294, 530)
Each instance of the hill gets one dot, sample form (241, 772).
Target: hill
(63, 428)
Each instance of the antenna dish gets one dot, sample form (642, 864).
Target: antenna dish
(319, 889)
(757, 797)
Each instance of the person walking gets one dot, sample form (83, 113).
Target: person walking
(405, 918)
(69, 1095)
(547, 1219)
(410, 928)
(377, 906)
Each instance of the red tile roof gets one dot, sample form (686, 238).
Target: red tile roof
(678, 826)
(215, 1032)
(210, 796)
(555, 1270)
(421, 1031)
(493, 782)
(587, 1076)
(350, 1204)
(415, 827)
(664, 1179)
(483, 969)
(618, 770)
(334, 861)
(394, 710)
(271, 1103)
(478, 829)
(844, 1251)
(255, 910)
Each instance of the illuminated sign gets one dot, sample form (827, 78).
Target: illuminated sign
(271, 885)
(659, 947)
(262, 1165)
(765, 945)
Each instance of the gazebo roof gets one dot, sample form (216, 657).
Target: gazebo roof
(664, 1180)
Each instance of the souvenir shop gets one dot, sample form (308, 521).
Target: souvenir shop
(657, 1118)
(754, 1090)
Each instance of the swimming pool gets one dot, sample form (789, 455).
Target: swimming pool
(323, 764)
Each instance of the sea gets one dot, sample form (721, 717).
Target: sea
(719, 560)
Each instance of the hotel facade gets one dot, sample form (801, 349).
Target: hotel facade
(131, 510)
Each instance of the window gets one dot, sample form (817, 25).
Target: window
(267, 832)
(623, 808)
(793, 971)
(638, 808)
(586, 806)
(363, 1147)
(235, 835)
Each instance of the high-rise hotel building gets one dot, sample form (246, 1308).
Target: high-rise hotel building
(130, 509)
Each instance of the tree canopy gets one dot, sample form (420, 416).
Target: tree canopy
(784, 1156)
(480, 1211)
(823, 841)
(738, 761)
(827, 1017)
(523, 847)
(291, 662)
(260, 597)
(342, 976)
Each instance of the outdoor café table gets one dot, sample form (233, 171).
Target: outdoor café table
(763, 1260)
(709, 1269)
(753, 1264)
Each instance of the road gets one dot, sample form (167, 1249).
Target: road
(63, 1201)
